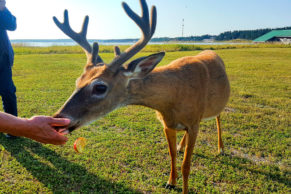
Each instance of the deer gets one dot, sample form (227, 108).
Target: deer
(183, 92)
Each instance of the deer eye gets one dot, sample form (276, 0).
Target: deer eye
(99, 89)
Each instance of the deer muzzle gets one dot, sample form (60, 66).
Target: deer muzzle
(73, 125)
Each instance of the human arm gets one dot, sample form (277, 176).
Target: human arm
(39, 128)
(2, 5)
(7, 20)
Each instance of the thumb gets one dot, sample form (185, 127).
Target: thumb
(59, 122)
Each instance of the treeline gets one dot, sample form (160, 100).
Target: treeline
(246, 34)
(229, 35)
(189, 38)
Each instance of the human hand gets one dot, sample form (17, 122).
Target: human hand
(2, 4)
(41, 129)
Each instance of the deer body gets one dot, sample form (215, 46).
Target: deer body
(188, 88)
(183, 92)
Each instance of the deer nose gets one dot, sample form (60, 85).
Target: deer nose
(59, 115)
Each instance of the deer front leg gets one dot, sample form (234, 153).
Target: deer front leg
(220, 143)
(191, 136)
(171, 138)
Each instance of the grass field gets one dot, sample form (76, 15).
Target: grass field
(127, 151)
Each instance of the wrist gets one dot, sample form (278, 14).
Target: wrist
(20, 127)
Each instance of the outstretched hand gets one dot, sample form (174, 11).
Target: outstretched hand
(41, 129)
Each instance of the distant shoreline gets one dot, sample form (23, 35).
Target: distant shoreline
(69, 42)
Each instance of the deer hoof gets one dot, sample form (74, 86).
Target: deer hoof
(220, 152)
(179, 149)
(170, 187)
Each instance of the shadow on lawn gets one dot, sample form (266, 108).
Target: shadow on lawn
(244, 164)
(61, 176)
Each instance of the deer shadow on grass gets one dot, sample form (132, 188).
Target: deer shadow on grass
(242, 163)
(61, 175)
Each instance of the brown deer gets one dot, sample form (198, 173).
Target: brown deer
(183, 93)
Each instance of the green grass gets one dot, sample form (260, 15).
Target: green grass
(127, 151)
(20, 50)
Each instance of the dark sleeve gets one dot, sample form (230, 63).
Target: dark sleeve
(7, 20)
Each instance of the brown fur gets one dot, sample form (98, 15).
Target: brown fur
(183, 93)
(188, 89)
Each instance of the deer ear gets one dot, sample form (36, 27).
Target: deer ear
(140, 67)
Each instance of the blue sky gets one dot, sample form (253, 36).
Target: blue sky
(108, 20)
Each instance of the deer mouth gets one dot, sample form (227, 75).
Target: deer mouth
(69, 129)
(72, 126)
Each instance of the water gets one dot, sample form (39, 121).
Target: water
(69, 42)
(63, 42)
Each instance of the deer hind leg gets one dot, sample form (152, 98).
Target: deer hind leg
(191, 136)
(171, 138)
(182, 144)
(220, 143)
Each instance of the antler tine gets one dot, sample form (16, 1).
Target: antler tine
(116, 51)
(145, 16)
(83, 32)
(80, 37)
(153, 20)
(147, 27)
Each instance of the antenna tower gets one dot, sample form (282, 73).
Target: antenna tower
(183, 27)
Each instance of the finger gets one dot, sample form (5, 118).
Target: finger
(43, 141)
(63, 140)
(62, 130)
(55, 138)
(66, 132)
(52, 141)
(58, 139)
(59, 122)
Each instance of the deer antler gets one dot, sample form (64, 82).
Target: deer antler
(147, 26)
(80, 38)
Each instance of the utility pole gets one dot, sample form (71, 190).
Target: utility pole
(183, 27)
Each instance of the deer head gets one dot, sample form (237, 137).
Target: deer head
(104, 87)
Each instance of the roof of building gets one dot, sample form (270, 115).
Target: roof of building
(272, 34)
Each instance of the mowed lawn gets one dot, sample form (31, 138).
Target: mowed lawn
(127, 151)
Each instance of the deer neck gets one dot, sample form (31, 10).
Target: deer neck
(149, 92)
